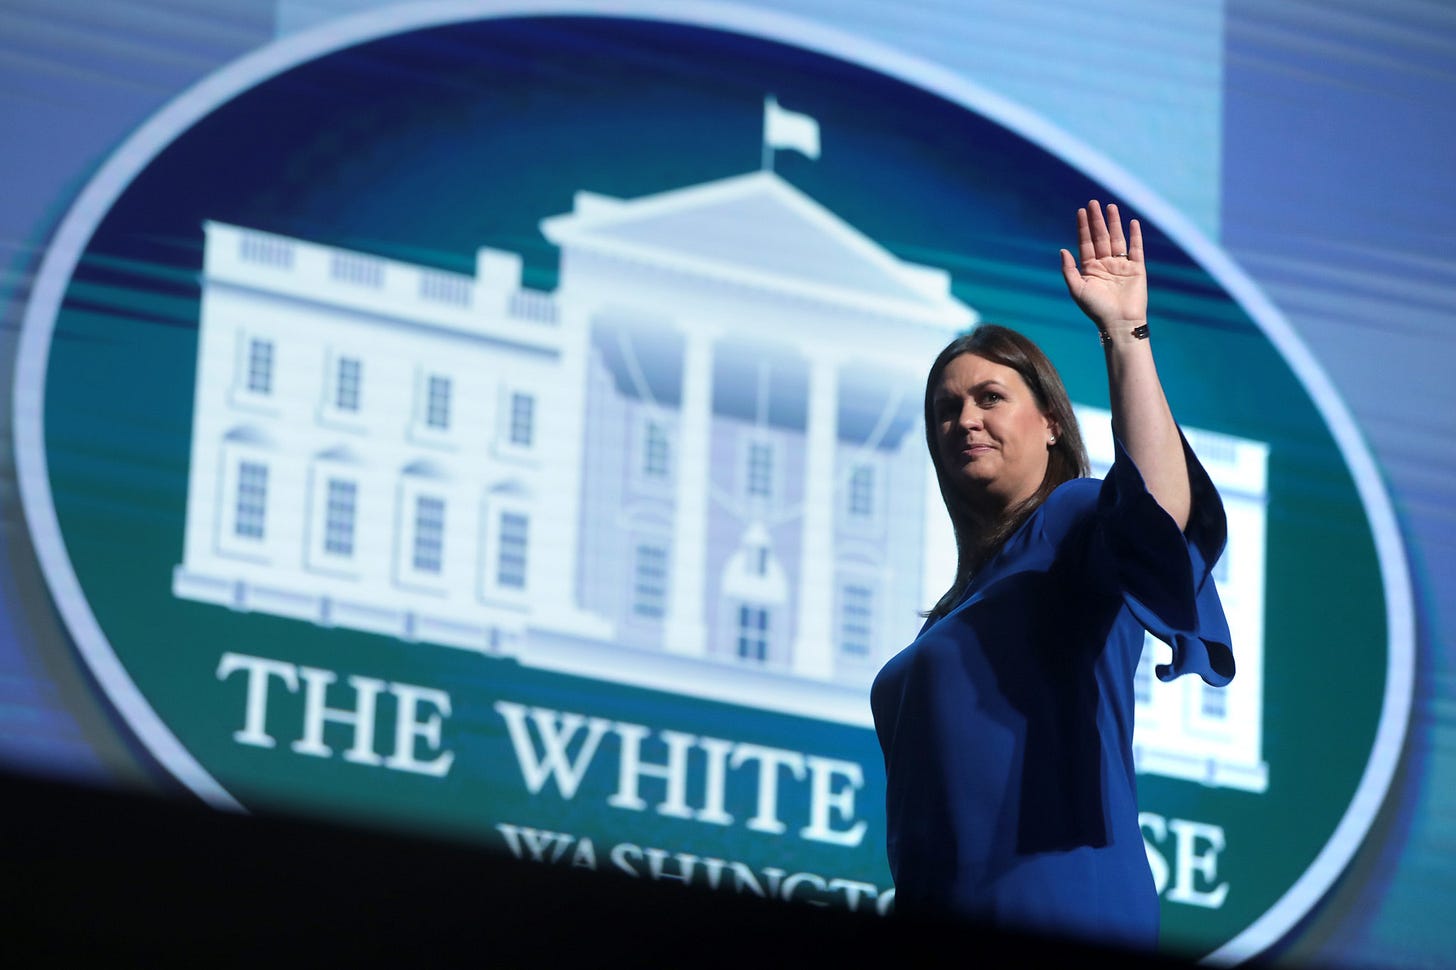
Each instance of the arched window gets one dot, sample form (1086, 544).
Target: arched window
(505, 557)
(754, 603)
(335, 485)
(244, 517)
(422, 553)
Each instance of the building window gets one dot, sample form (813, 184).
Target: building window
(340, 509)
(760, 469)
(437, 402)
(1142, 678)
(347, 383)
(429, 551)
(1213, 702)
(523, 419)
(862, 491)
(260, 366)
(654, 453)
(445, 288)
(856, 610)
(649, 591)
(265, 249)
(252, 503)
(752, 633)
(357, 269)
(511, 558)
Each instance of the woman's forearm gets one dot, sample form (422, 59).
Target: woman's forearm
(1143, 422)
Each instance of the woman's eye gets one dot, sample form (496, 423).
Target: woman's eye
(990, 397)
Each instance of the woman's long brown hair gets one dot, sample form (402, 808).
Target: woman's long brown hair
(977, 540)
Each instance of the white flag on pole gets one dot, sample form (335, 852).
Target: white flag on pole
(789, 129)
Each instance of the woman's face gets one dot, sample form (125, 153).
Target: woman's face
(993, 438)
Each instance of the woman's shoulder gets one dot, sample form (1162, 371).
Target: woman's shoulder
(1072, 499)
(1070, 504)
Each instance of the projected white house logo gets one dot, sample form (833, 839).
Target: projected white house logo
(591, 552)
(696, 466)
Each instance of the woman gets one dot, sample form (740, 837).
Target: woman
(1007, 725)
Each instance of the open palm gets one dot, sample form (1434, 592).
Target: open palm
(1112, 285)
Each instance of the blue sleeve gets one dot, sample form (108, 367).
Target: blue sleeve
(1166, 575)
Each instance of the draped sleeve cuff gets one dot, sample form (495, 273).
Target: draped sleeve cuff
(1165, 575)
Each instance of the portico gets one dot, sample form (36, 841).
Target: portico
(751, 260)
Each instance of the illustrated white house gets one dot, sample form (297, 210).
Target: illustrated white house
(696, 466)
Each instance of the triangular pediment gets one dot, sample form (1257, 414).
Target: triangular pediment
(759, 229)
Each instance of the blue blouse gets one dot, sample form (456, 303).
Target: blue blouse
(1007, 725)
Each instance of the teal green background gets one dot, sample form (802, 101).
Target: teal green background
(425, 166)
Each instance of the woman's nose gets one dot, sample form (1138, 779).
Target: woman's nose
(970, 417)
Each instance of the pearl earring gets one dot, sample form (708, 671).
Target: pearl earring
(1052, 440)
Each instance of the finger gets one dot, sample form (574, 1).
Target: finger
(1101, 245)
(1114, 230)
(1070, 273)
(1084, 238)
(1135, 244)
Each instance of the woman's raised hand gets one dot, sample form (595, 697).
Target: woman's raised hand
(1112, 285)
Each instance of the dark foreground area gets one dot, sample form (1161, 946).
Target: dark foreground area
(103, 875)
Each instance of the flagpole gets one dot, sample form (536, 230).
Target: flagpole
(765, 162)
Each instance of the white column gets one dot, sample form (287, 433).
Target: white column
(684, 630)
(813, 654)
(554, 537)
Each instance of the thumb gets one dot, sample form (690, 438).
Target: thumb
(1070, 273)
